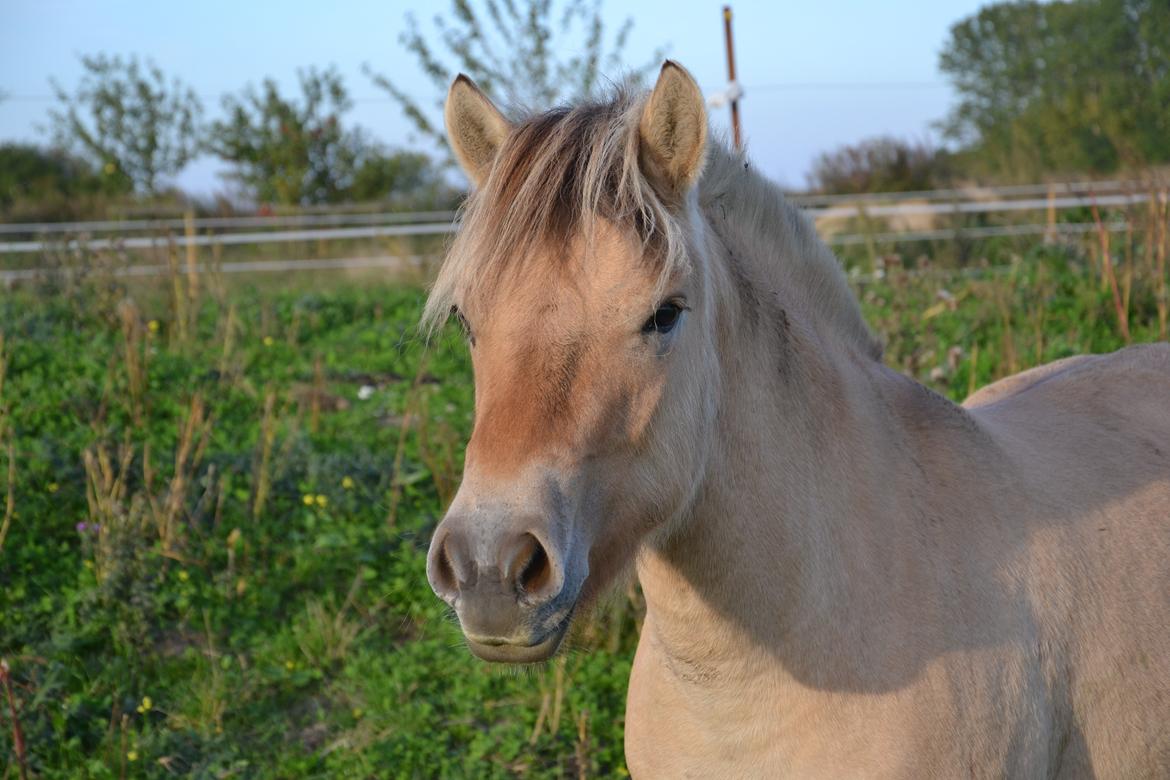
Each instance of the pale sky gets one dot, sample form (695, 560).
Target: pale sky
(816, 74)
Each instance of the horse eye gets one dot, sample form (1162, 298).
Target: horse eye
(664, 318)
(463, 324)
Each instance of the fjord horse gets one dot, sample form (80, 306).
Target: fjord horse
(846, 575)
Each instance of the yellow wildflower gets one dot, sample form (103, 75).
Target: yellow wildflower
(307, 499)
(132, 755)
(347, 483)
(183, 575)
(152, 326)
(289, 665)
(52, 487)
(357, 713)
(269, 341)
(322, 501)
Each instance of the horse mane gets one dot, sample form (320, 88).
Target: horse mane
(560, 170)
(754, 219)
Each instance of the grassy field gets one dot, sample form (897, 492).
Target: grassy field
(219, 498)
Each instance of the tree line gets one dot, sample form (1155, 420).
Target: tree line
(128, 130)
(1043, 89)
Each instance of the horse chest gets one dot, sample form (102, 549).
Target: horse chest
(689, 719)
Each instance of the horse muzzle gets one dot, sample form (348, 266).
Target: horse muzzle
(513, 592)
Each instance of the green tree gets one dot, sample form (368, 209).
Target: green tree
(882, 164)
(129, 120)
(522, 52)
(409, 179)
(1061, 87)
(291, 151)
(39, 181)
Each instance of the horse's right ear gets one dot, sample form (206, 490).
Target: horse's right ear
(672, 133)
(475, 128)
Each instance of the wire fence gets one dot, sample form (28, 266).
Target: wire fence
(377, 262)
(222, 223)
(405, 262)
(441, 222)
(225, 239)
(996, 231)
(975, 192)
(887, 218)
(973, 198)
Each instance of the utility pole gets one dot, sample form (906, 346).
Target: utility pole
(733, 89)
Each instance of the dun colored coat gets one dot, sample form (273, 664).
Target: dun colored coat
(846, 575)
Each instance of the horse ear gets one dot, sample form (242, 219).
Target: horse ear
(475, 128)
(673, 133)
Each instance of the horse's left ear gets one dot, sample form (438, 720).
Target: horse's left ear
(673, 133)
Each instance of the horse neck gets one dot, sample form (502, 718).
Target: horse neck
(797, 520)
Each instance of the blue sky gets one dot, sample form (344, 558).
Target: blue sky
(817, 74)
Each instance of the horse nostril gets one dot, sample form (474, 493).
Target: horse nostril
(443, 577)
(528, 568)
(537, 572)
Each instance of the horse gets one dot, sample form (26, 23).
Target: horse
(845, 574)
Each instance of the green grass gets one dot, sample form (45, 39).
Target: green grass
(254, 603)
